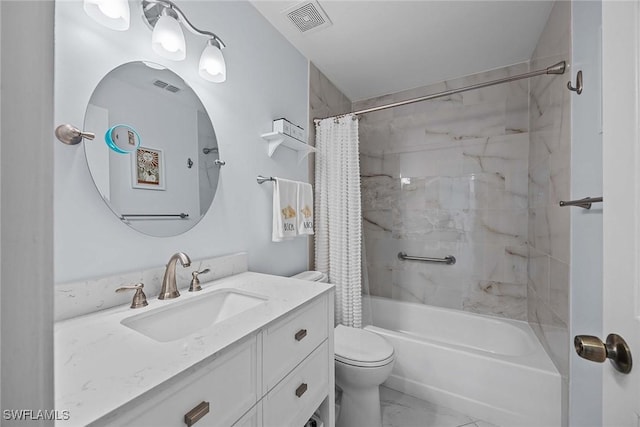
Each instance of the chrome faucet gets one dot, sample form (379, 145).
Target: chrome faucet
(169, 289)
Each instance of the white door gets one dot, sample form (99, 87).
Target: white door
(621, 217)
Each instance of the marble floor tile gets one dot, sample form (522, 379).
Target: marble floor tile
(402, 410)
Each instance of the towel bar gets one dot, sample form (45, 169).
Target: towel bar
(180, 215)
(262, 179)
(582, 203)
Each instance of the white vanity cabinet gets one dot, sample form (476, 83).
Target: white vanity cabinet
(253, 418)
(296, 364)
(277, 377)
(292, 339)
(228, 384)
(294, 399)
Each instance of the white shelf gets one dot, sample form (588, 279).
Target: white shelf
(276, 139)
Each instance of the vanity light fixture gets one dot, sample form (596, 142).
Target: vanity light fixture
(114, 14)
(212, 66)
(167, 39)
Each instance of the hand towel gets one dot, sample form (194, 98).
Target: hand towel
(305, 209)
(285, 202)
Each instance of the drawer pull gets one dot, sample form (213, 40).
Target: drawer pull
(194, 415)
(301, 389)
(301, 334)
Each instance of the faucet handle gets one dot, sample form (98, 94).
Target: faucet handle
(195, 282)
(139, 298)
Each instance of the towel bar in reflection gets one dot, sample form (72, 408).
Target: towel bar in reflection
(449, 259)
(180, 215)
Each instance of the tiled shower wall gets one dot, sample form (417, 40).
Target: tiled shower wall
(449, 177)
(325, 99)
(550, 179)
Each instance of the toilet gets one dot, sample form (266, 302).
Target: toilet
(363, 361)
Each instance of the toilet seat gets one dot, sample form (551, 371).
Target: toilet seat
(358, 347)
(312, 276)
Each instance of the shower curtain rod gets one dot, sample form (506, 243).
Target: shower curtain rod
(558, 68)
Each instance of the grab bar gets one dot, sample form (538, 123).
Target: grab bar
(449, 259)
(582, 203)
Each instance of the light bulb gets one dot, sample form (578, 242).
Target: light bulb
(114, 14)
(167, 39)
(212, 66)
(111, 9)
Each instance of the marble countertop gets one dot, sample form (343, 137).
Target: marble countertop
(101, 365)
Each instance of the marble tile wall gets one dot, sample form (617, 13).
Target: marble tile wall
(325, 100)
(549, 182)
(449, 177)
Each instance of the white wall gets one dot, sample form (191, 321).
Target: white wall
(26, 379)
(585, 382)
(0, 210)
(266, 79)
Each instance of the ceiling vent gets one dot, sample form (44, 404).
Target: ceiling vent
(166, 86)
(308, 16)
(160, 84)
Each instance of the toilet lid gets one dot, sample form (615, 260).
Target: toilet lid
(359, 347)
(312, 276)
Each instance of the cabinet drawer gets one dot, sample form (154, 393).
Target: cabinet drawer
(229, 384)
(289, 341)
(253, 418)
(294, 400)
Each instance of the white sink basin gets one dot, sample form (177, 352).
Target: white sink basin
(182, 318)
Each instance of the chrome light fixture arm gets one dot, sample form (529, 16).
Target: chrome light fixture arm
(153, 9)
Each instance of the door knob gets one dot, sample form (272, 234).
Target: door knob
(615, 349)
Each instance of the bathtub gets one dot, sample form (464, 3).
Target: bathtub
(489, 368)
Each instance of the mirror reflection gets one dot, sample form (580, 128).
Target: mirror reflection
(157, 171)
(122, 139)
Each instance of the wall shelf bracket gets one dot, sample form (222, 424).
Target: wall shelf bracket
(277, 139)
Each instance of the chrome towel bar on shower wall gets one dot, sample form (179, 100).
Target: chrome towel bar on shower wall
(449, 259)
(582, 203)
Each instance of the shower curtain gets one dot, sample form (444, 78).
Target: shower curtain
(338, 214)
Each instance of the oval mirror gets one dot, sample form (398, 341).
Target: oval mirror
(157, 169)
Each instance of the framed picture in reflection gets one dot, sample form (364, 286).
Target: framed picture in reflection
(148, 169)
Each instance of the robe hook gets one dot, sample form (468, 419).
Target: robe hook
(578, 88)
